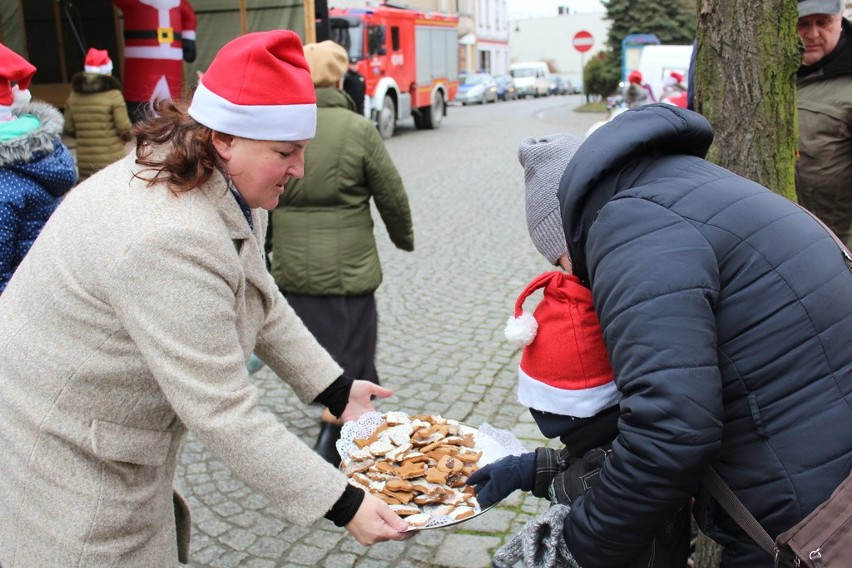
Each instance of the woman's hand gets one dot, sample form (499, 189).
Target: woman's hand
(376, 522)
(359, 399)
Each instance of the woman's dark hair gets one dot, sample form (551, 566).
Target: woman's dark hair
(175, 148)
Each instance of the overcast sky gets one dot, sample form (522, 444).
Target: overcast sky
(521, 9)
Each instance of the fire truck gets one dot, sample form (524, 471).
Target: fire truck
(408, 58)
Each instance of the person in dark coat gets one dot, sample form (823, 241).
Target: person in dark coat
(726, 311)
(355, 85)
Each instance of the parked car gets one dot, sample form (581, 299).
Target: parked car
(506, 90)
(557, 85)
(477, 88)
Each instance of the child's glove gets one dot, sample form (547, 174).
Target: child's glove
(497, 480)
(578, 477)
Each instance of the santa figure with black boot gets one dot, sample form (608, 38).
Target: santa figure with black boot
(159, 35)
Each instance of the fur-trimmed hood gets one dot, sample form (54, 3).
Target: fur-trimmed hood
(42, 140)
(89, 83)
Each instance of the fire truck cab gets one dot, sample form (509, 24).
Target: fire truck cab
(408, 58)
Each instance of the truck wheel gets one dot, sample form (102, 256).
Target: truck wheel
(432, 116)
(387, 118)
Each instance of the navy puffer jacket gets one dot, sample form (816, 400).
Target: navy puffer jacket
(727, 314)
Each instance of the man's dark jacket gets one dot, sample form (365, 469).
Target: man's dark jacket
(727, 315)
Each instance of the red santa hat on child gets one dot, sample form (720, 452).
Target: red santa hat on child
(258, 86)
(13, 68)
(635, 77)
(564, 366)
(97, 61)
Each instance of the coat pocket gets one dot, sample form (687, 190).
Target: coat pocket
(121, 443)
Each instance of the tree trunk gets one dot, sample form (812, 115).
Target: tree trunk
(708, 554)
(748, 53)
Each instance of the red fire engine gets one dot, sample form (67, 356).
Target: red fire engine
(408, 58)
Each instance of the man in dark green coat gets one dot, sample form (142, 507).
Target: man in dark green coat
(324, 256)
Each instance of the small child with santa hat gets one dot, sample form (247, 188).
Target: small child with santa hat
(565, 377)
(36, 169)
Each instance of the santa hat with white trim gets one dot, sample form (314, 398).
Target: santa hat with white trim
(13, 68)
(97, 61)
(564, 368)
(258, 86)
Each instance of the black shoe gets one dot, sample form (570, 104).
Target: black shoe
(329, 434)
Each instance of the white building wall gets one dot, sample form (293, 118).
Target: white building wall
(549, 39)
(492, 36)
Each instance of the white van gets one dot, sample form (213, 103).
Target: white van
(532, 78)
(656, 62)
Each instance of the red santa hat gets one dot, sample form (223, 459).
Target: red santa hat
(13, 69)
(564, 365)
(258, 86)
(635, 77)
(98, 61)
(678, 77)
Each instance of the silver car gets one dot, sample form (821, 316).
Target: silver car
(477, 88)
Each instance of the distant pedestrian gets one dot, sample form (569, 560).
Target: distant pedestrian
(324, 255)
(637, 93)
(36, 169)
(96, 115)
(355, 85)
(824, 102)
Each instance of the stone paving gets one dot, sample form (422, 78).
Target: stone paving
(442, 310)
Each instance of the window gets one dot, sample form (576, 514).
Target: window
(395, 43)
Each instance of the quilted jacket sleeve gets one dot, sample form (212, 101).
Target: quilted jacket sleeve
(387, 190)
(655, 282)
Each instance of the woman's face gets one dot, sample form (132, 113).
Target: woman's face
(260, 168)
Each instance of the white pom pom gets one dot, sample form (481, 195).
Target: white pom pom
(520, 331)
(20, 97)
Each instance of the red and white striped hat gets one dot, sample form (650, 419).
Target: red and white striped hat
(564, 367)
(97, 61)
(13, 68)
(258, 86)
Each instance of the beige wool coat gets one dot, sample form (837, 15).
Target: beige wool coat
(128, 323)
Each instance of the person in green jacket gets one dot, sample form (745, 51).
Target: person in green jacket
(824, 103)
(323, 250)
(95, 114)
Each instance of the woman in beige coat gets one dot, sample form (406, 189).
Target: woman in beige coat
(130, 322)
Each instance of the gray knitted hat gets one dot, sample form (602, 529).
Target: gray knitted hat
(544, 160)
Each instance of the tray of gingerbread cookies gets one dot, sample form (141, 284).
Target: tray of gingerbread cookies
(417, 464)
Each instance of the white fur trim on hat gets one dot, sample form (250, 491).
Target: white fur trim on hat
(259, 122)
(581, 403)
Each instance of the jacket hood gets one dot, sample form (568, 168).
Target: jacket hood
(611, 158)
(40, 140)
(88, 83)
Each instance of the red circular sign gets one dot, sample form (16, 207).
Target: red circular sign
(583, 41)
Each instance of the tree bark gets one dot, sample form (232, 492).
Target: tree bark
(744, 83)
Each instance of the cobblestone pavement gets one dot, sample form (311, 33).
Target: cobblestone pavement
(442, 310)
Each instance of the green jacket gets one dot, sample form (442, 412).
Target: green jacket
(96, 115)
(824, 167)
(321, 234)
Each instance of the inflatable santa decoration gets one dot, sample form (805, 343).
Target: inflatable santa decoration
(159, 35)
